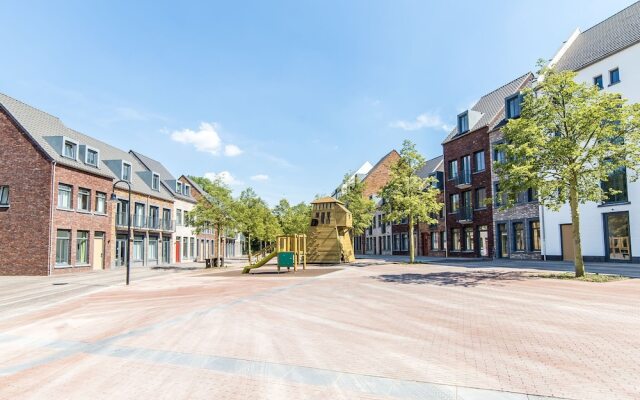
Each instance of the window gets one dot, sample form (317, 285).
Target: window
(518, 236)
(154, 217)
(185, 248)
(70, 149)
(138, 248)
(455, 202)
(616, 186)
(463, 123)
(442, 240)
(468, 238)
(82, 247)
(597, 81)
(179, 217)
(91, 157)
(481, 198)
(187, 221)
(153, 248)
(453, 169)
(84, 199)
(396, 242)
(500, 198)
(478, 159)
(513, 105)
(192, 247)
(498, 155)
(138, 216)
(532, 195)
(101, 203)
(455, 239)
(187, 190)
(522, 197)
(155, 182)
(405, 242)
(63, 247)
(179, 187)
(126, 172)
(64, 196)
(328, 217)
(4, 196)
(435, 244)
(534, 235)
(614, 76)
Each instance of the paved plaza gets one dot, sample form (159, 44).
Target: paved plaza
(370, 330)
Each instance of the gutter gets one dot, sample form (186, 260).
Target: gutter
(49, 250)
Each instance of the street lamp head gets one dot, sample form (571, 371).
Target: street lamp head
(114, 197)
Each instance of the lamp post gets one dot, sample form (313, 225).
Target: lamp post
(128, 250)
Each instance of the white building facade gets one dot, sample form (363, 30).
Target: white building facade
(607, 55)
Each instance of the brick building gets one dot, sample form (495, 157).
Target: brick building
(468, 179)
(433, 236)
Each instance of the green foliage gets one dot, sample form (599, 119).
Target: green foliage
(570, 138)
(293, 220)
(362, 209)
(407, 195)
(216, 208)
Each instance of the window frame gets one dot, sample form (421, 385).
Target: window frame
(531, 235)
(89, 149)
(480, 205)
(507, 105)
(103, 196)
(86, 193)
(617, 71)
(598, 81)
(155, 181)
(463, 117)
(514, 246)
(76, 147)
(67, 263)
(475, 161)
(126, 163)
(70, 187)
(453, 172)
(5, 193)
(79, 240)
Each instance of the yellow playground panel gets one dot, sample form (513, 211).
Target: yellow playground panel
(290, 250)
(329, 239)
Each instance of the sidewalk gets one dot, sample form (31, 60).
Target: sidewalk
(624, 269)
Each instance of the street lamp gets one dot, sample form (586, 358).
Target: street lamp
(114, 197)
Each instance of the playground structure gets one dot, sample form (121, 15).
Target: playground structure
(330, 232)
(290, 250)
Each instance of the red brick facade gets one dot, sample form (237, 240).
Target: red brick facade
(481, 215)
(24, 225)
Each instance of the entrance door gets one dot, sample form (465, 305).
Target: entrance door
(98, 250)
(566, 236)
(483, 240)
(178, 250)
(617, 236)
(503, 241)
(166, 251)
(121, 250)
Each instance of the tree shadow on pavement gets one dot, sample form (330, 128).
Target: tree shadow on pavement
(464, 279)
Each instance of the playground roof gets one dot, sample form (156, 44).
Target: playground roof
(326, 200)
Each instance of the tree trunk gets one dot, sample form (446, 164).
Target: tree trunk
(412, 250)
(575, 221)
(249, 248)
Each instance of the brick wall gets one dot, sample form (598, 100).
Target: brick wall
(24, 226)
(468, 144)
(75, 220)
(379, 174)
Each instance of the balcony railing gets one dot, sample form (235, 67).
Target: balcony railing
(154, 222)
(122, 219)
(463, 179)
(167, 225)
(465, 214)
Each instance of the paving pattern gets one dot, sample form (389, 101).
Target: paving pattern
(367, 331)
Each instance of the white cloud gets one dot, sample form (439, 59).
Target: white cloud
(260, 177)
(231, 150)
(206, 139)
(425, 120)
(224, 177)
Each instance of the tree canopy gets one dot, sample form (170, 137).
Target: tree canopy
(362, 208)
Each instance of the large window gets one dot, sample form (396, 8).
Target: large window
(616, 186)
(478, 161)
(139, 216)
(534, 235)
(154, 217)
(4, 196)
(64, 196)
(481, 198)
(70, 149)
(468, 238)
(138, 248)
(453, 169)
(101, 203)
(185, 248)
(455, 202)
(192, 247)
(84, 199)
(435, 240)
(455, 239)
(153, 248)
(63, 247)
(82, 247)
(518, 236)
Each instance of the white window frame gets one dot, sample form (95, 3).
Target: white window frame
(84, 191)
(103, 196)
(178, 187)
(155, 175)
(64, 145)
(70, 207)
(4, 192)
(86, 156)
(122, 171)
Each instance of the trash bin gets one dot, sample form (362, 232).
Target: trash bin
(285, 259)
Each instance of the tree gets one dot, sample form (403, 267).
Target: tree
(361, 208)
(293, 220)
(215, 208)
(407, 195)
(570, 138)
(251, 216)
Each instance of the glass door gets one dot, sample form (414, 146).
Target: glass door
(121, 250)
(503, 241)
(617, 236)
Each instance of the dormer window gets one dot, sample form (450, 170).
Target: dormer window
(70, 149)
(126, 171)
(513, 106)
(91, 157)
(463, 122)
(187, 190)
(155, 182)
(179, 187)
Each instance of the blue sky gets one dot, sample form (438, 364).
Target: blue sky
(283, 96)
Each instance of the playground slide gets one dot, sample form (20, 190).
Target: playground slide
(259, 263)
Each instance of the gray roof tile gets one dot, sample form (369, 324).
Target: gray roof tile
(431, 166)
(167, 179)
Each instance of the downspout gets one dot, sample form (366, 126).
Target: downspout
(544, 235)
(53, 181)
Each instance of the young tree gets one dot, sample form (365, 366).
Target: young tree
(250, 216)
(293, 220)
(569, 139)
(215, 209)
(407, 195)
(362, 209)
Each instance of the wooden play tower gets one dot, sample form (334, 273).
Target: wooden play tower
(329, 236)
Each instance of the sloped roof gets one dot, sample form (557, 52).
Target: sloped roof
(491, 105)
(431, 166)
(167, 179)
(42, 127)
(326, 200)
(612, 35)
